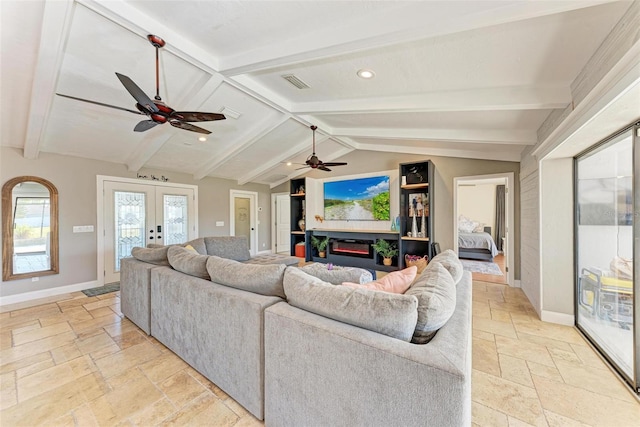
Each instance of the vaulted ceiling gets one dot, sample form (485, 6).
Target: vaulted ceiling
(455, 78)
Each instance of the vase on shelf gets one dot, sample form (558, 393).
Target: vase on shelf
(301, 224)
(423, 226)
(414, 226)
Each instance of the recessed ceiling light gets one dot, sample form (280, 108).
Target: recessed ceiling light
(289, 163)
(366, 74)
(202, 139)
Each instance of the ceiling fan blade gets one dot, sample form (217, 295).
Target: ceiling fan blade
(137, 93)
(324, 168)
(304, 167)
(194, 116)
(145, 125)
(187, 126)
(100, 103)
(334, 164)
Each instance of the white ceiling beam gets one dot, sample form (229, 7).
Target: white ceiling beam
(271, 163)
(405, 23)
(242, 143)
(330, 158)
(510, 155)
(55, 29)
(192, 99)
(486, 99)
(490, 136)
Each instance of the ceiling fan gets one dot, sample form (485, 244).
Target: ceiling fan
(314, 162)
(157, 111)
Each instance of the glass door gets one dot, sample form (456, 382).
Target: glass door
(605, 250)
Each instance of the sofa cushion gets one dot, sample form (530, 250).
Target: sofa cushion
(436, 294)
(198, 245)
(187, 262)
(337, 275)
(396, 282)
(389, 314)
(450, 261)
(230, 247)
(259, 279)
(156, 255)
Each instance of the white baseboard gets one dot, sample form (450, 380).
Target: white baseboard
(44, 293)
(559, 318)
(267, 252)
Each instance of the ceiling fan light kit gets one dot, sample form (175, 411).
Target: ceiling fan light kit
(157, 111)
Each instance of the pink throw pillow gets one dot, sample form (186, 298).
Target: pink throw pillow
(396, 282)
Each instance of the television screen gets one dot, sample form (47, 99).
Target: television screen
(357, 199)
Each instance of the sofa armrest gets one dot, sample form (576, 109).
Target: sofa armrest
(321, 370)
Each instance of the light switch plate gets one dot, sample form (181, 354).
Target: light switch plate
(83, 228)
(219, 223)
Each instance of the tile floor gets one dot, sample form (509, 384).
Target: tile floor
(74, 360)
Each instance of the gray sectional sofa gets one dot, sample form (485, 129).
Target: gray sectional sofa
(296, 350)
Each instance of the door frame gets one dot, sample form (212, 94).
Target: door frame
(100, 231)
(274, 222)
(253, 219)
(509, 219)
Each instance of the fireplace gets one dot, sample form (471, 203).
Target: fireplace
(351, 247)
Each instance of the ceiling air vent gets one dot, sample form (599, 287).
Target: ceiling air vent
(295, 81)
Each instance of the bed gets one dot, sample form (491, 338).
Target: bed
(478, 246)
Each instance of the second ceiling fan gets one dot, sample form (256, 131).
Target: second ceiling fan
(157, 111)
(314, 162)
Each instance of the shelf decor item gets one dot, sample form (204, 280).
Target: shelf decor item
(423, 226)
(320, 245)
(414, 226)
(417, 260)
(301, 224)
(387, 250)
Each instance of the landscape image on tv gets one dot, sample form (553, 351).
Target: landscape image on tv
(357, 199)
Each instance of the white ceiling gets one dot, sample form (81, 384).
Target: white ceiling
(469, 79)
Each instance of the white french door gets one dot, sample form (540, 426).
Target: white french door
(139, 214)
(283, 223)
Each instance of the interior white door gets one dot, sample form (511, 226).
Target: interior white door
(244, 217)
(140, 214)
(283, 223)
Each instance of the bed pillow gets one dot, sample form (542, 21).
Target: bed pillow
(450, 261)
(187, 262)
(389, 314)
(156, 256)
(263, 279)
(396, 282)
(465, 225)
(479, 228)
(436, 294)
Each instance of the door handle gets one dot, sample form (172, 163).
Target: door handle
(150, 237)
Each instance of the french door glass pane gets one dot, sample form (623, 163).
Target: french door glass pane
(176, 224)
(130, 215)
(605, 249)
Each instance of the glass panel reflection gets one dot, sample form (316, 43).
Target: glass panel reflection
(176, 224)
(130, 224)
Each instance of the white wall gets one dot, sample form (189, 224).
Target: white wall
(530, 238)
(478, 203)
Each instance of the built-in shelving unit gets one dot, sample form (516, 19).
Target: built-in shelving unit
(416, 198)
(298, 201)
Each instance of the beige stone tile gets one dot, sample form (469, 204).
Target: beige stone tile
(550, 330)
(514, 422)
(478, 286)
(93, 386)
(8, 308)
(237, 408)
(83, 417)
(181, 388)
(121, 361)
(521, 308)
(51, 378)
(164, 366)
(100, 303)
(547, 342)
(514, 369)
(8, 325)
(248, 421)
(101, 312)
(153, 414)
(557, 420)
(8, 394)
(596, 380)
(76, 302)
(507, 397)
(129, 339)
(120, 328)
(5, 340)
(66, 420)
(105, 351)
(494, 327)
(34, 312)
(585, 406)
(44, 408)
(500, 315)
(24, 362)
(564, 356)
(36, 367)
(518, 317)
(93, 324)
(40, 333)
(206, 410)
(94, 343)
(549, 372)
(74, 313)
(477, 333)
(34, 324)
(524, 350)
(15, 354)
(480, 309)
(485, 357)
(588, 356)
(65, 353)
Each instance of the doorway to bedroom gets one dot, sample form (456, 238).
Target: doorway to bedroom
(483, 218)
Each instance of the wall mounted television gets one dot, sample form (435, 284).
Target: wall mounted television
(361, 199)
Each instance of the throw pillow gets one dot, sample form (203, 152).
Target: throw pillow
(260, 279)
(336, 275)
(465, 225)
(156, 256)
(450, 261)
(230, 247)
(188, 262)
(198, 245)
(396, 282)
(436, 294)
(479, 228)
(190, 249)
(389, 314)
